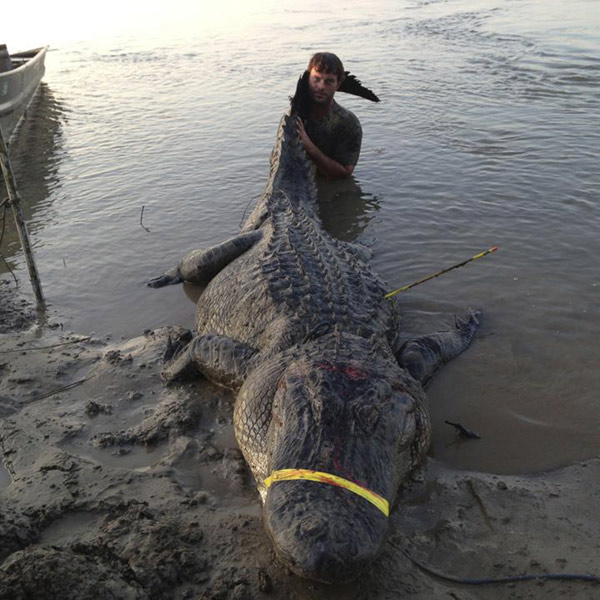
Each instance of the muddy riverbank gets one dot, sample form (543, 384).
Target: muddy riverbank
(113, 486)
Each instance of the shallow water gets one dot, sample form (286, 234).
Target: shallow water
(488, 133)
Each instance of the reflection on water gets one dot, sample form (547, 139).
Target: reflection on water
(345, 209)
(488, 133)
(192, 291)
(35, 155)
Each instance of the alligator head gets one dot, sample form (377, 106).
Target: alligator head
(343, 435)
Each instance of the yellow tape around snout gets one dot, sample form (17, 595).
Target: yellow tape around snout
(293, 474)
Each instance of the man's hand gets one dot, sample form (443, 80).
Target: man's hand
(306, 142)
(328, 166)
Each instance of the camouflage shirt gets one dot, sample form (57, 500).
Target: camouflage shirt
(338, 134)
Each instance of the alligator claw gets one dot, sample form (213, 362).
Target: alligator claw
(471, 319)
(171, 350)
(176, 345)
(169, 278)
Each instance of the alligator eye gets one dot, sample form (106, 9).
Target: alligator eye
(313, 377)
(367, 417)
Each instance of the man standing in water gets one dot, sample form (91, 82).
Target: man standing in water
(330, 134)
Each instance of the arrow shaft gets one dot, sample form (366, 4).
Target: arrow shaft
(434, 275)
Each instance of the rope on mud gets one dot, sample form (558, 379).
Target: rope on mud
(59, 390)
(492, 580)
(24, 348)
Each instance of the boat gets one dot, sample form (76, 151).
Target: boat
(20, 76)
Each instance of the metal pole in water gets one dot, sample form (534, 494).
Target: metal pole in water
(15, 203)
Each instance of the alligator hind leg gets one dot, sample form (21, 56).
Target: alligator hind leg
(200, 266)
(423, 356)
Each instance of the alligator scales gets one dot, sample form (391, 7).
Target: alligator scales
(330, 412)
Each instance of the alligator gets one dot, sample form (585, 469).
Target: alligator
(330, 411)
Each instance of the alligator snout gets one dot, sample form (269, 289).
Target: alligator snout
(323, 532)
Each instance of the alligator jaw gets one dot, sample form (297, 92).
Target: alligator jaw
(323, 532)
(342, 436)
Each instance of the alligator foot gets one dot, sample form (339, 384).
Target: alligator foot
(171, 277)
(175, 344)
(423, 356)
(182, 367)
(466, 327)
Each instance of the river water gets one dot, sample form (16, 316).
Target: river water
(488, 134)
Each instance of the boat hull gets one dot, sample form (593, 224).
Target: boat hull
(18, 86)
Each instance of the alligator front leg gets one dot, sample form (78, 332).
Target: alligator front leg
(423, 356)
(200, 266)
(220, 359)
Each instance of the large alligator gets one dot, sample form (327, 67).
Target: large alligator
(330, 411)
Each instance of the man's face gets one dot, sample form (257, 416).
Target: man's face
(322, 86)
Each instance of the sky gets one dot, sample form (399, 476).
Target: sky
(34, 23)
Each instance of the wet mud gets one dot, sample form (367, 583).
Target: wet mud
(113, 486)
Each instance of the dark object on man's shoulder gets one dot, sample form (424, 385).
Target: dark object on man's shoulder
(301, 100)
(351, 85)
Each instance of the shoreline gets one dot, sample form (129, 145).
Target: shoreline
(114, 486)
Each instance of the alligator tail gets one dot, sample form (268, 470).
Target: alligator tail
(300, 101)
(351, 85)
